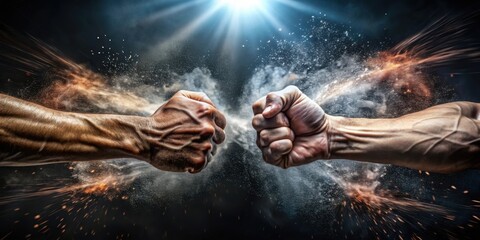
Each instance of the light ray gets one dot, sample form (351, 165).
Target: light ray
(171, 11)
(160, 51)
(298, 6)
(236, 20)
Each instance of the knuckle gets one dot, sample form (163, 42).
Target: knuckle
(220, 136)
(281, 146)
(257, 121)
(264, 136)
(203, 95)
(207, 110)
(206, 147)
(181, 92)
(255, 105)
(271, 95)
(176, 98)
(283, 120)
(208, 130)
(198, 162)
(274, 146)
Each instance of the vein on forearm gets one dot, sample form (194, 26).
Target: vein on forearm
(31, 134)
(443, 138)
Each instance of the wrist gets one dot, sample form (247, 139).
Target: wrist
(362, 139)
(331, 133)
(323, 139)
(340, 142)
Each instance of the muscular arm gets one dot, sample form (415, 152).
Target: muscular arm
(443, 138)
(31, 134)
(177, 137)
(293, 130)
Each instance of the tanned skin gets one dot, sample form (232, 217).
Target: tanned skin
(180, 136)
(294, 130)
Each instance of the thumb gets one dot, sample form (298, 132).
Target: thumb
(280, 101)
(273, 105)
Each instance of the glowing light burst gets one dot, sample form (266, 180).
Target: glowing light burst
(75, 84)
(246, 5)
(234, 20)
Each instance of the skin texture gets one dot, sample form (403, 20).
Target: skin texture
(293, 130)
(180, 136)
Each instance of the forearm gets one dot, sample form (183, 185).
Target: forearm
(31, 134)
(444, 138)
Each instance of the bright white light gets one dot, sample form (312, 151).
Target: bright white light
(242, 5)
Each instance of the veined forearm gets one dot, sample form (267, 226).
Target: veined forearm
(370, 140)
(444, 138)
(31, 134)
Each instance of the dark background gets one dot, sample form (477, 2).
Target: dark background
(73, 27)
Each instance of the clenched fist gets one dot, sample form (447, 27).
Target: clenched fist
(184, 132)
(291, 128)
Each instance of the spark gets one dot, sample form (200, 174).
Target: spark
(401, 67)
(76, 87)
(72, 83)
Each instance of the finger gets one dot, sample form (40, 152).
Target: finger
(213, 113)
(273, 105)
(200, 156)
(280, 100)
(219, 136)
(198, 96)
(258, 106)
(281, 147)
(208, 131)
(259, 122)
(267, 136)
(197, 164)
(220, 119)
(275, 153)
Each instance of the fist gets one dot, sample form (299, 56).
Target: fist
(291, 128)
(184, 133)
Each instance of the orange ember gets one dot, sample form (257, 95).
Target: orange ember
(97, 188)
(400, 70)
(78, 88)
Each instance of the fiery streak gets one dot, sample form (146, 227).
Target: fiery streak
(98, 180)
(383, 202)
(78, 84)
(401, 67)
(75, 87)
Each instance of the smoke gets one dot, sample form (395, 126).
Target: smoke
(383, 84)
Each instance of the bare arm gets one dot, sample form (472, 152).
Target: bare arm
(443, 138)
(31, 134)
